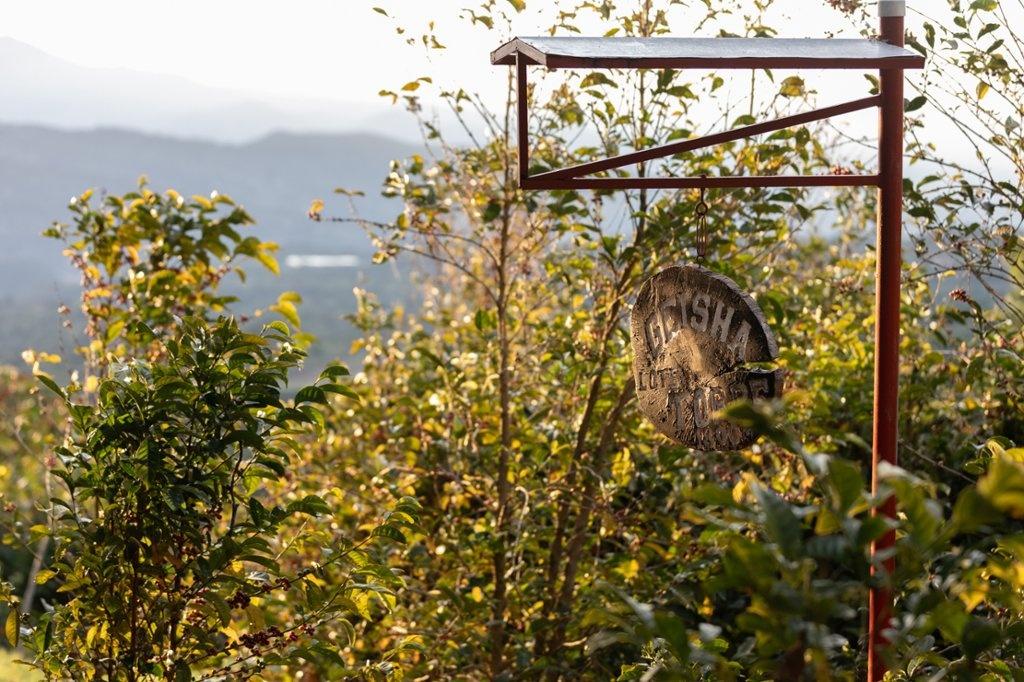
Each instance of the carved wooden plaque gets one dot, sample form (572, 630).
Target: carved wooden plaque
(692, 333)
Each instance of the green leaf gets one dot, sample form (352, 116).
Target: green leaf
(915, 104)
(311, 394)
(672, 631)
(340, 389)
(781, 525)
(482, 320)
(310, 504)
(845, 480)
(408, 505)
(682, 91)
(334, 371)
(390, 532)
(279, 326)
(831, 547)
(980, 635)
(924, 515)
(712, 494)
(247, 438)
(45, 380)
(288, 311)
(349, 630)
(595, 79)
(872, 528)
(519, 5)
(257, 511)
(950, 618)
(412, 644)
(492, 211)
(483, 19)
(1003, 486)
(221, 606)
(982, 89)
(48, 633)
(972, 511)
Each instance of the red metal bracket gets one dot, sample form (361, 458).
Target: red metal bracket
(572, 177)
(890, 59)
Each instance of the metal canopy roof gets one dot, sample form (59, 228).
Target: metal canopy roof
(564, 52)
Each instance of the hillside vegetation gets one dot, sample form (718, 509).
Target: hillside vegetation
(481, 498)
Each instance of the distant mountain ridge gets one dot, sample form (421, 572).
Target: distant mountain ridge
(65, 128)
(274, 177)
(40, 89)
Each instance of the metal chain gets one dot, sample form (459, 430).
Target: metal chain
(702, 226)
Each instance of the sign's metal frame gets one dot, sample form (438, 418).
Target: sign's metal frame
(888, 179)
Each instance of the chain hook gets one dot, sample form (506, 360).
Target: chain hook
(701, 210)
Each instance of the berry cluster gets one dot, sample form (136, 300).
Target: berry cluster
(960, 295)
(239, 600)
(261, 638)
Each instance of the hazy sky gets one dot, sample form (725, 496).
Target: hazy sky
(321, 48)
(344, 50)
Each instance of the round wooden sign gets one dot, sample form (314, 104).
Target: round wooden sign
(692, 332)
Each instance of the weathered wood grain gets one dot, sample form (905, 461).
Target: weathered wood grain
(693, 332)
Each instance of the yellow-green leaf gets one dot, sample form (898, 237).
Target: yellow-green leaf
(622, 467)
(286, 307)
(628, 569)
(1003, 485)
(12, 627)
(39, 530)
(316, 209)
(268, 261)
(597, 79)
(792, 87)
(44, 576)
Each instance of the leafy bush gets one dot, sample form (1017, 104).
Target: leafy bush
(779, 585)
(180, 546)
(164, 543)
(151, 258)
(563, 538)
(549, 502)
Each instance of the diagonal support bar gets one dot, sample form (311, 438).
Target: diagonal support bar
(708, 140)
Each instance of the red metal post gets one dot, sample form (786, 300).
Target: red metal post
(887, 309)
(523, 129)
